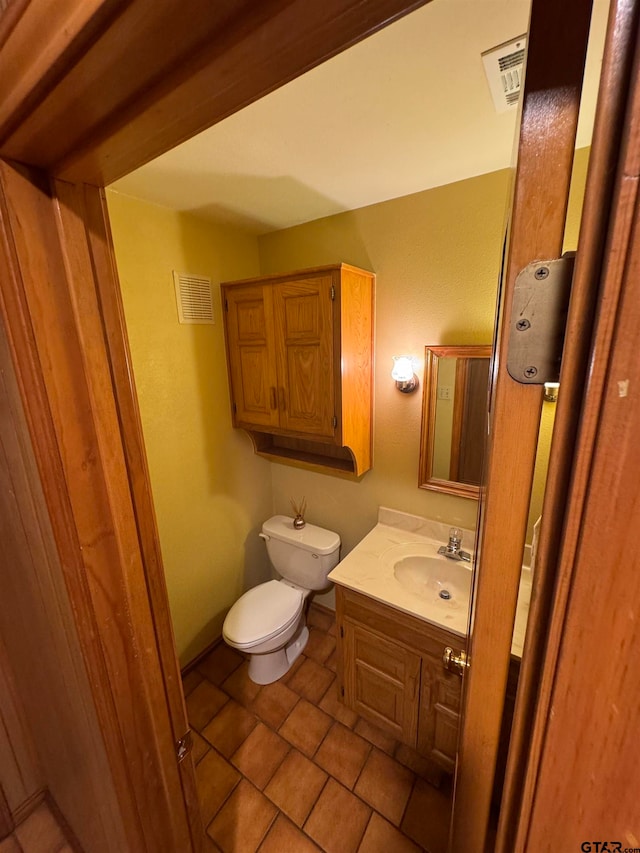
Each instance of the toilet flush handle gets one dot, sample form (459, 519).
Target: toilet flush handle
(264, 536)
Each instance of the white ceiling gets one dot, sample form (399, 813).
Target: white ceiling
(405, 110)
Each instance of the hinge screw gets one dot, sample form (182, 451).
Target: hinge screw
(541, 272)
(530, 372)
(521, 325)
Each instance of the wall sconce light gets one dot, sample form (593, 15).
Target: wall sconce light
(551, 391)
(406, 379)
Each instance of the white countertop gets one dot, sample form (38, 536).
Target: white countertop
(369, 569)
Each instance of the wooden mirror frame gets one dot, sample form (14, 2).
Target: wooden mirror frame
(426, 480)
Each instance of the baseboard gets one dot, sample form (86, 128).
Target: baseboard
(186, 669)
(323, 608)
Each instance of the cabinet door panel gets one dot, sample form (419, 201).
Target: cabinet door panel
(439, 713)
(304, 351)
(381, 681)
(252, 363)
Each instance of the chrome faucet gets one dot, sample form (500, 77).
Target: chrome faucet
(453, 550)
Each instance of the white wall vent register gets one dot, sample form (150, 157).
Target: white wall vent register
(504, 67)
(193, 298)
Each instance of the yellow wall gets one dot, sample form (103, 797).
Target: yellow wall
(211, 493)
(436, 255)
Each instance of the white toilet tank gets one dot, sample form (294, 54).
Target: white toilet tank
(304, 557)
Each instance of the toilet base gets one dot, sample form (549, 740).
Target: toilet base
(269, 667)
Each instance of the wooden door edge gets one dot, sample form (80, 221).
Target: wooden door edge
(21, 341)
(58, 349)
(100, 243)
(584, 366)
(550, 104)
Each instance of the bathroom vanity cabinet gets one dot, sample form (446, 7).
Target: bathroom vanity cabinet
(300, 356)
(391, 671)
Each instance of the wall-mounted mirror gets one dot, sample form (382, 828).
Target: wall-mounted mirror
(454, 416)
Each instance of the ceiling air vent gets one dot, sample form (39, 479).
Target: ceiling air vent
(193, 298)
(503, 66)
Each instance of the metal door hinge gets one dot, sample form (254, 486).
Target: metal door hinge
(333, 292)
(341, 631)
(334, 421)
(183, 746)
(538, 320)
(226, 304)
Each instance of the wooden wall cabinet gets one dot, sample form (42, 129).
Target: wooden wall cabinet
(300, 358)
(390, 671)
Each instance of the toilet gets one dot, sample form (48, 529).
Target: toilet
(267, 622)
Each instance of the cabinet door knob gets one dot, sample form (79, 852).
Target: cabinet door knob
(455, 662)
(273, 399)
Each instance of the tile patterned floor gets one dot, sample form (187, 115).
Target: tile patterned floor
(286, 767)
(39, 833)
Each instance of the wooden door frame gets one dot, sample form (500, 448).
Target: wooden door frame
(55, 117)
(90, 90)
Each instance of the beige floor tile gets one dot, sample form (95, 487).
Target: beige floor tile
(40, 832)
(427, 817)
(190, 681)
(421, 766)
(240, 686)
(260, 755)
(311, 680)
(386, 785)
(199, 748)
(243, 822)
(319, 645)
(284, 837)
(215, 779)
(305, 727)
(331, 661)
(230, 728)
(343, 754)
(295, 786)
(332, 705)
(376, 736)
(338, 820)
(203, 703)
(274, 703)
(220, 663)
(381, 837)
(317, 618)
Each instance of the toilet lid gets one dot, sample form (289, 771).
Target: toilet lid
(262, 612)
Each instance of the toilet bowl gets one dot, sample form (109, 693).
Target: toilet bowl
(262, 622)
(267, 622)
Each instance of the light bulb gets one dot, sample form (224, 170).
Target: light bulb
(402, 368)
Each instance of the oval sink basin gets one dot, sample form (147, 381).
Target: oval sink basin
(430, 576)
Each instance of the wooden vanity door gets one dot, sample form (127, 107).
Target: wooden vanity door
(304, 326)
(381, 682)
(439, 713)
(251, 355)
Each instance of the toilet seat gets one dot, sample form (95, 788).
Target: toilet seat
(262, 613)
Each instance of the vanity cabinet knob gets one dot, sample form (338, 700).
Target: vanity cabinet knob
(455, 662)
